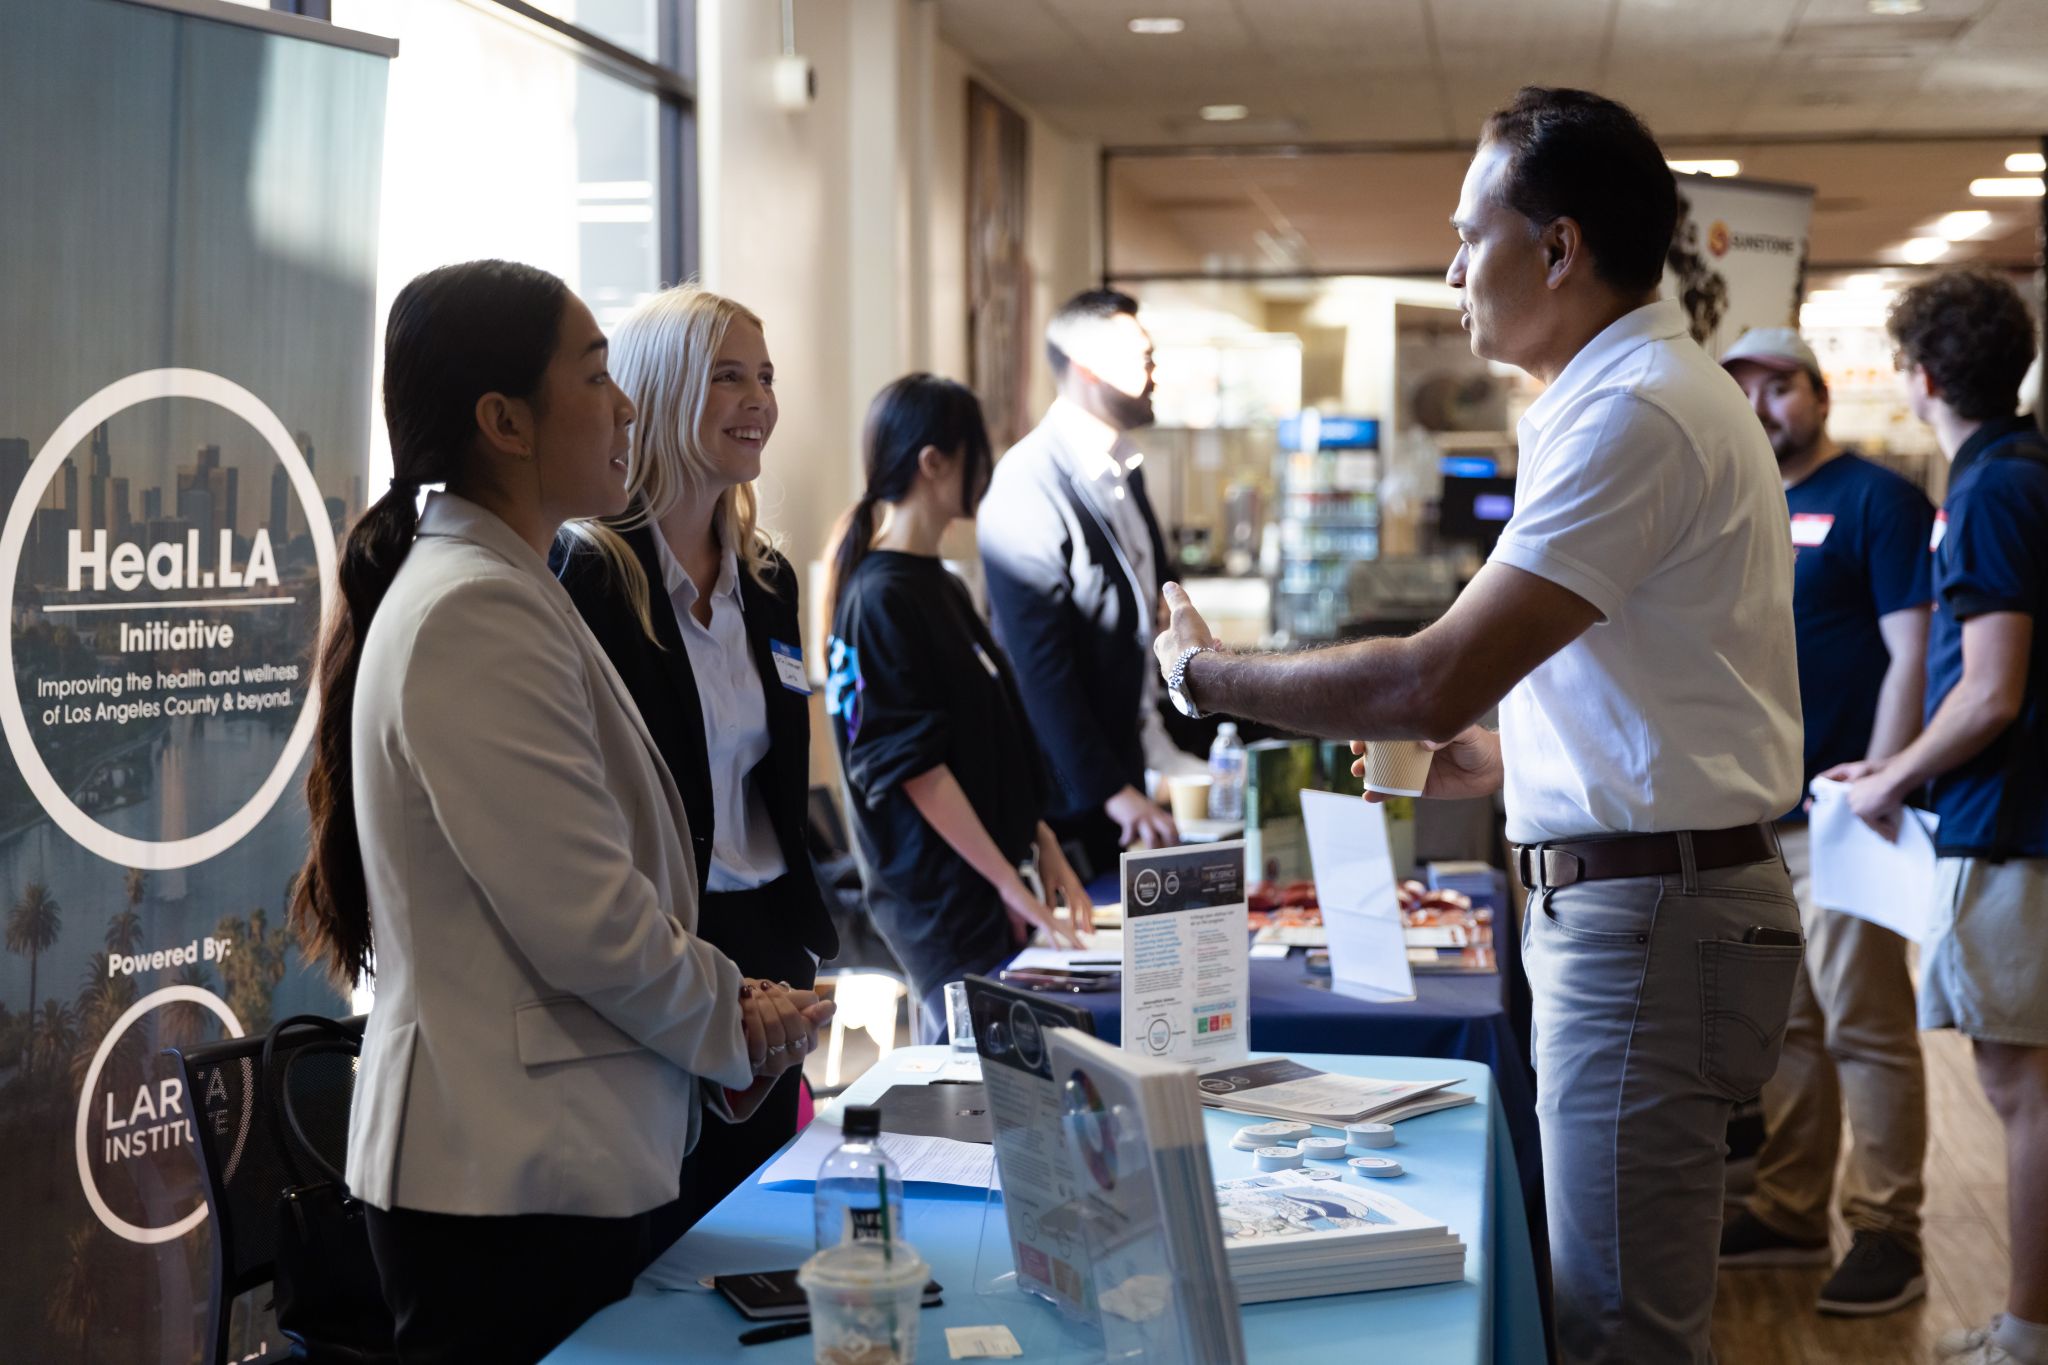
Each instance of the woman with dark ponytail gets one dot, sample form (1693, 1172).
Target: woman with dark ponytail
(495, 838)
(944, 786)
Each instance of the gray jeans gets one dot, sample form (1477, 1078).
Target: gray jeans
(1652, 1018)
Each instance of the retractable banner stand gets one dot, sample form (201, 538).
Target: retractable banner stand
(1738, 258)
(188, 210)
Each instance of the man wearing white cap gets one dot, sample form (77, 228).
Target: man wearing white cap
(1861, 591)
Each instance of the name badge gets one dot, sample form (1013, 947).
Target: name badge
(1811, 528)
(986, 662)
(789, 666)
(1940, 529)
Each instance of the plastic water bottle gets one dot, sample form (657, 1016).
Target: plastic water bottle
(1226, 774)
(860, 1191)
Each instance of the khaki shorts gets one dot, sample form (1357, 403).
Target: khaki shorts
(1984, 966)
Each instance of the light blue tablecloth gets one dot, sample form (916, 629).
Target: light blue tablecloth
(1460, 1167)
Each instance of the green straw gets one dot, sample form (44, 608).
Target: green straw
(882, 1192)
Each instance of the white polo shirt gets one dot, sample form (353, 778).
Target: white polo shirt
(1647, 486)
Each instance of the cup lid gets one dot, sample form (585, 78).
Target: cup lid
(862, 1265)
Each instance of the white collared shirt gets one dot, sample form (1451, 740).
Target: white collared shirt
(1647, 487)
(744, 850)
(1102, 471)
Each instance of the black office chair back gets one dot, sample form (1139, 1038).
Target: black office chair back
(244, 1169)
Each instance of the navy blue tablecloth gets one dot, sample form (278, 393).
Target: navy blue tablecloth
(1465, 1017)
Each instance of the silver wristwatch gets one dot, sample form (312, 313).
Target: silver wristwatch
(1177, 682)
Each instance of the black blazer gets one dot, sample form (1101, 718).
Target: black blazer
(657, 673)
(1064, 609)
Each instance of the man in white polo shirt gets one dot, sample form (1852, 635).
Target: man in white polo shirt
(1634, 625)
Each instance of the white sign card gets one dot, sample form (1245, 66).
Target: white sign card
(1859, 872)
(1355, 885)
(1187, 967)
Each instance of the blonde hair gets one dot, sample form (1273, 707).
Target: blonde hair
(662, 354)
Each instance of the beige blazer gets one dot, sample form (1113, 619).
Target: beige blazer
(544, 1011)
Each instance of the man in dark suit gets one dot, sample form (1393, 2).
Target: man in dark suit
(1074, 561)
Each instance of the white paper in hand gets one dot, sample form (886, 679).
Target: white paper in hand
(1354, 867)
(1859, 872)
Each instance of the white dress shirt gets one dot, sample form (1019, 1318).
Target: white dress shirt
(1101, 461)
(1647, 487)
(744, 850)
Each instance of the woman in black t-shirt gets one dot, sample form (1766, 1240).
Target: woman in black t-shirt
(944, 788)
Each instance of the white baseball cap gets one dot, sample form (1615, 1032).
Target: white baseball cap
(1774, 348)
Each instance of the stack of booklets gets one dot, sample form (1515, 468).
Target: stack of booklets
(1297, 1234)
(1134, 1133)
(1279, 1088)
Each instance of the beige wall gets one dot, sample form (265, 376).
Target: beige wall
(844, 225)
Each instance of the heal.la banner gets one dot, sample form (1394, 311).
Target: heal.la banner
(188, 210)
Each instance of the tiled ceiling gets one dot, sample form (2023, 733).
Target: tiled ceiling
(1728, 78)
(1428, 71)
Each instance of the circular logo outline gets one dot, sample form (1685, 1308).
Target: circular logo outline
(148, 854)
(1145, 886)
(116, 1224)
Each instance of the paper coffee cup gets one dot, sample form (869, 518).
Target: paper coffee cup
(1190, 798)
(1396, 767)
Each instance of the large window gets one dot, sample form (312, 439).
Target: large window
(554, 132)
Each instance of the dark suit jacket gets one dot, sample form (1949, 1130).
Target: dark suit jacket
(1063, 608)
(657, 673)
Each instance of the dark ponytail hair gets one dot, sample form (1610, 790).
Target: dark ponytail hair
(454, 335)
(916, 411)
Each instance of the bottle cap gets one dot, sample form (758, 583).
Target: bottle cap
(1257, 1135)
(861, 1121)
(1228, 727)
(1380, 1167)
(1278, 1158)
(1369, 1134)
(1322, 1148)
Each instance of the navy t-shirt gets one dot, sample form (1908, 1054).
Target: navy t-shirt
(1991, 555)
(1859, 536)
(915, 681)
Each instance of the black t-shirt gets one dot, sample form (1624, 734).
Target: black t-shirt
(915, 680)
(1859, 536)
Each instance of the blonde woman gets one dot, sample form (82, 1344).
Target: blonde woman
(698, 614)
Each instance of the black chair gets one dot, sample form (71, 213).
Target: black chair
(238, 1141)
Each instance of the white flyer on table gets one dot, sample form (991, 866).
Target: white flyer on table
(1859, 872)
(1355, 885)
(1187, 971)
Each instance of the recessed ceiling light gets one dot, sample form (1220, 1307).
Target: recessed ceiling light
(2007, 187)
(1963, 224)
(1921, 250)
(1895, 9)
(2026, 163)
(1160, 25)
(1714, 168)
(1224, 113)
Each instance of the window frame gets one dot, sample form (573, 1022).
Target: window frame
(670, 78)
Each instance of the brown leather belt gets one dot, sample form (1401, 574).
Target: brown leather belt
(1568, 861)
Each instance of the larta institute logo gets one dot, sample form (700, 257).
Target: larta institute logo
(1718, 239)
(146, 1115)
(175, 586)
